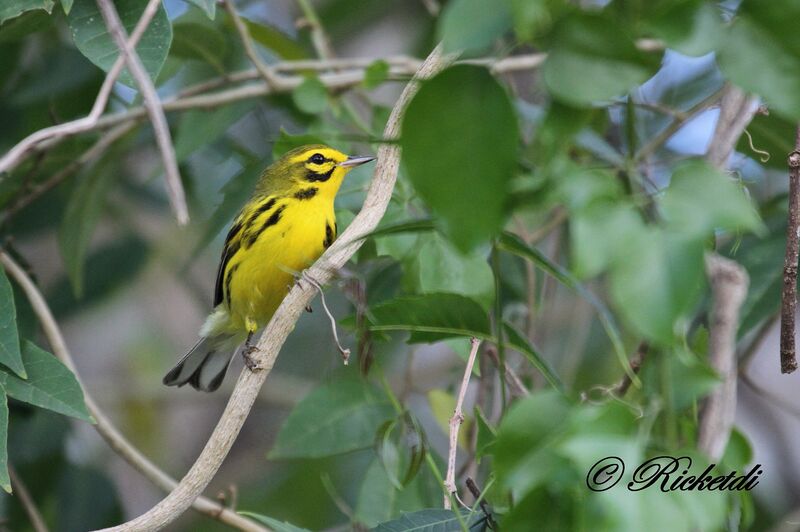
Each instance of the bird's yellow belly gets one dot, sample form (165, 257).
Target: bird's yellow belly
(266, 271)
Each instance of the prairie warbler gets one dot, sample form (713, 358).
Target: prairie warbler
(287, 224)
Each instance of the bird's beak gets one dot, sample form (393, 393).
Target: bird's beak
(350, 162)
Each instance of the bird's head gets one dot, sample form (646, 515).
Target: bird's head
(313, 165)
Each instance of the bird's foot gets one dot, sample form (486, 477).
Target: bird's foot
(249, 361)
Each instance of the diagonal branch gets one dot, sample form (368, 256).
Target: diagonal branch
(152, 103)
(283, 322)
(103, 425)
(87, 123)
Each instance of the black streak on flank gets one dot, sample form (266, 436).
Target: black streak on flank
(228, 278)
(264, 207)
(228, 251)
(329, 236)
(272, 220)
(305, 194)
(314, 176)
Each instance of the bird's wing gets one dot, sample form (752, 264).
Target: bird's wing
(232, 242)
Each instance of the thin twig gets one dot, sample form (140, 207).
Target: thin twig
(401, 67)
(728, 289)
(16, 154)
(319, 38)
(26, 501)
(673, 127)
(342, 351)
(789, 293)
(283, 321)
(455, 424)
(103, 425)
(515, 384)
(736, 110)
(152, 103)
(244, 35)
(95, 151)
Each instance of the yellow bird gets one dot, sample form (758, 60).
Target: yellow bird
(287, 224)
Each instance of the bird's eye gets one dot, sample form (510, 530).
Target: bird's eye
(317, 158)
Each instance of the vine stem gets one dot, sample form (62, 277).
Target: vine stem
(455, 425)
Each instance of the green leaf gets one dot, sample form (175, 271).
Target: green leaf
(208, 6)
(202, 42)
(522, 431)
(472, 24)
(49, 385)
(66, 5)
(311, 96)
(762, 257)
(691, 27)
(13, 8)
(594, 59)
(432, 317)
(5, 480)
(701, 199)
(10, 355)
(518, 342)
(513, 244)
(84, 207)
(274, 524)
(200, 127)
(761, 53)
(659, 283)
(375, 74)
(432, 520)
(376, 496)
(335, 418)
(462, 172)
(486, 433)
(599, 236)
(112, 265)
(275, 40)
(93, 40)
(533, 18)
(435, 266)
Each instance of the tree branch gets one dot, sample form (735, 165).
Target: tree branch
(283, 322)
(195, 97)
(103, 425)
(728, 290)
(736, 111)
(789, 292)
(95, 151)
(152, 103)
(16, 154)
(455, 424)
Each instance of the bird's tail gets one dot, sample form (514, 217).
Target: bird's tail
(204, 366)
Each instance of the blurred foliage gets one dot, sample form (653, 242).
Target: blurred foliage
(542, 210)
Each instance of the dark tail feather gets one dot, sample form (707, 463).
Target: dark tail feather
(203, 367)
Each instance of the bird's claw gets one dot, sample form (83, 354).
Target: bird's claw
(249, 361)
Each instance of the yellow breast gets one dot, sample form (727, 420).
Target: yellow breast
(276, 246)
